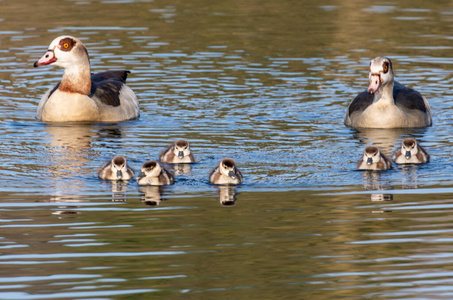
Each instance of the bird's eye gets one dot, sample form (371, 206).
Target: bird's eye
(386, 67)
(66, 45)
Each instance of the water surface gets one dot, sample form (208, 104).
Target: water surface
(264, 82)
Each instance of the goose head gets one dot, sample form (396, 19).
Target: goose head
(181, 148)
(409, 147)
(228, 167)
(150, 169)
(381, 73)
(65, 52)
(371, 155)
(118, 166)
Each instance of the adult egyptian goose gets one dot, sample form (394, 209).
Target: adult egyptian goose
(226, 173)
(82, 96)
(116, 169)
(177, 153)
(387, 103)
(373, 159)
(153, 173)
(410, 152)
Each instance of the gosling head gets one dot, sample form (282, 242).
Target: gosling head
(228, 167)
(118, 166)
(181, 148)
(371, 155)
(409, 147)
(150, 169)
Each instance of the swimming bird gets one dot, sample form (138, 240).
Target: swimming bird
(226, 173)
(153, 173)
(116, 169)
(373, 159)
(177, 153)
(82, 96)
(410, 153)
(387, 103)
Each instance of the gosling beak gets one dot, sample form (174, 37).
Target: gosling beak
(119, 174)
(369, 161)
(180, 154)
(231, 174)
(47, 59)
(141, 175)
(375, 83)
(408, 155)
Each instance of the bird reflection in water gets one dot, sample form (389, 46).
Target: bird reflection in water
(373, 182)
(182, 169)
(119, 191)
(152, 194)
(70, 149)
(227, 194)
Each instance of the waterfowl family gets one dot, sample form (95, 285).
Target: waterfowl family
(82, 96)
(387, 103)
(153, 173)
(373, 159)
(116, 169)
(410, 153)
(177, 153)
(226, 173)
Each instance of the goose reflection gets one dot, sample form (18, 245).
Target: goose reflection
(385, 139)
(227, 194)
(182, 169)
(152, 194)
(69, 151)
(372, 182)
(119, 191)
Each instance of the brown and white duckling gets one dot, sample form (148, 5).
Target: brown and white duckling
(82, 96)
(153, 173)
(226, 173)
(116, 169)
(177, 153)
(373, 159)
(387, 103)
(410, 153)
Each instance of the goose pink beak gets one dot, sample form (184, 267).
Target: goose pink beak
(375, 83)
(47, 59)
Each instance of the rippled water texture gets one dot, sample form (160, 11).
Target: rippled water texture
(264, 82)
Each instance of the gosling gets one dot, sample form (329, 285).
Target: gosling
(373, 159)
(177, 153)
(226, 173)
(410, 153)
(153, 173)
(116, 169)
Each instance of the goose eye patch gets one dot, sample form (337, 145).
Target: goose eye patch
(67, 44)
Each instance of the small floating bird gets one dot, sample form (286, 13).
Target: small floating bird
(116, 169)
(373, 159)
(153, 173)
(177, 153)
(226, 173)
(82, 96)
(387, 103)
(410, 153)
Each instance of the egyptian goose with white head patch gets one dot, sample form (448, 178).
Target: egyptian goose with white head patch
(387, 103)
(373, 159)
(410, 152)
(82, 96)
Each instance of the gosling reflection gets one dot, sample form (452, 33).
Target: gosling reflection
(119, 191)
(372, 182)
(182, 169)
(227, 195)
(385, 139)
(152, 194)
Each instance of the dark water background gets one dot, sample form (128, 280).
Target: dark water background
(264, 82)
